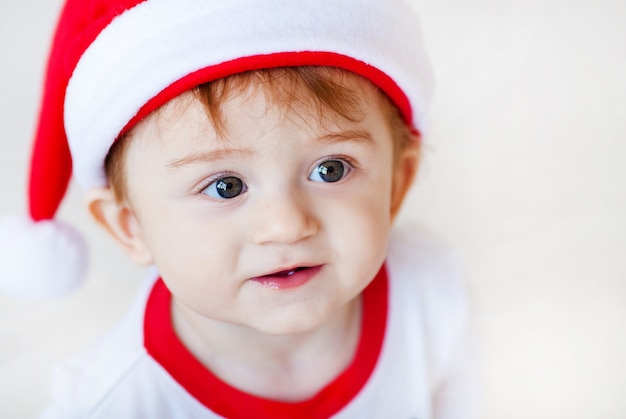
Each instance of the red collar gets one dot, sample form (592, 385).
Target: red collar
(164, 346)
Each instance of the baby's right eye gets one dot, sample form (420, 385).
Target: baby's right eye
(225, 188)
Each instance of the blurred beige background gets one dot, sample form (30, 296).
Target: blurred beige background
(525, 178)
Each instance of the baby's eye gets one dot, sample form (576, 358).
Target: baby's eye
(329, 171)
(225, 188)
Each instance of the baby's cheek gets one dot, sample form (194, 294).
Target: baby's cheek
(366, 234)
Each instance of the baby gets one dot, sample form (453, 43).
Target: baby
(256, 153)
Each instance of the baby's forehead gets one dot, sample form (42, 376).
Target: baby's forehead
(315, 94)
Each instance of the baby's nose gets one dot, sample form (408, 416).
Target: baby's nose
(284, 219)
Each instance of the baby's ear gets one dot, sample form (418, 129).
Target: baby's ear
(404, 173)
(118, 219)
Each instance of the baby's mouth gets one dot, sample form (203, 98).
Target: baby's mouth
(287, 273)
(289, 278)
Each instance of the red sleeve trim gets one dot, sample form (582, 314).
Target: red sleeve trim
(164, 346)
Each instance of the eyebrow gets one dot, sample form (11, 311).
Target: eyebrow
(356, 136)
(206, 156)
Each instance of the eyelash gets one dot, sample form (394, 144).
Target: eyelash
(347, 160)
(214, 178)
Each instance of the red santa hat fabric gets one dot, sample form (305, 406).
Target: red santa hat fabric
(112, 62)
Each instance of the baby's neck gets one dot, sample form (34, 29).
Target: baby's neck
(280, 367)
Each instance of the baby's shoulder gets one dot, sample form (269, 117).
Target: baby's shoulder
(429, 279)
(82, 382)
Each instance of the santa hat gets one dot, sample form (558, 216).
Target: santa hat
(114, 61)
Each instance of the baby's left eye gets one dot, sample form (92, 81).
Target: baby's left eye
(227, 187)
(329, 171)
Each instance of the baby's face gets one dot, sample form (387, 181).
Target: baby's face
(276, 225)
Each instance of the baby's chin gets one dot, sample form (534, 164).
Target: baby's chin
(293, 321)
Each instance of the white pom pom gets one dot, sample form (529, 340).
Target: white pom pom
(40, 260)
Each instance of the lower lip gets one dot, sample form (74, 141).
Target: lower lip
(295, 280)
